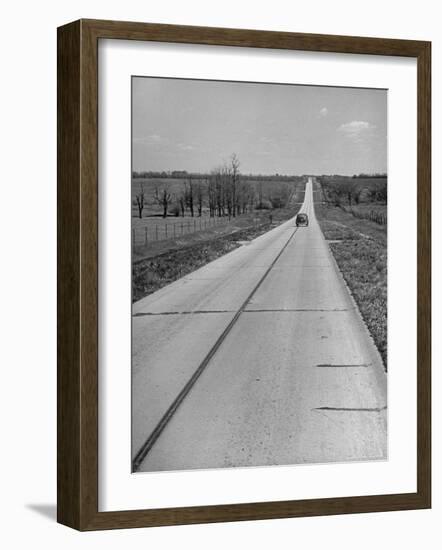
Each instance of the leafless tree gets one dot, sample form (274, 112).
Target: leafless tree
(220, 192)
(163, 198)
(199, 197)
(279, 195)
(346, 189)
(226, 185)
(189, 195)
(140, 200)
(381, 192)
(211, 194)
(182, 204)
(227, 194)
(234, 173)
(244, 197)
(260, 196)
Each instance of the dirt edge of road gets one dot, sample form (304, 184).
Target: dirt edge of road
(151, 274)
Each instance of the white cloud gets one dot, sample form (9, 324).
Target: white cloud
(323, 112)
(356, 129)
(151, 139)
(185, 147)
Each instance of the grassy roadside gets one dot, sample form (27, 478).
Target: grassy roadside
(361, 254)
(153, 273)
(156, 248)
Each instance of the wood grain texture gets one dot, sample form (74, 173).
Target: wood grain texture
(424, 275)
(77, 222)
(68, 276)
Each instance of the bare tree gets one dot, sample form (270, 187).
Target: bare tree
(234, 172)
(182, 204)
(189, 195)
(199, 197)
(381, 192)
(220, 192)
(163, 198)
(260, 197)
(244, 195)
(226, 185)
(347, 189)
(211, 193)
(227, 194)
(279, 195)
(140, 200)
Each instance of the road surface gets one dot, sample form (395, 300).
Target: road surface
(258, 358)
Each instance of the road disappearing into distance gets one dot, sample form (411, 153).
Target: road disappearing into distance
(259, 358)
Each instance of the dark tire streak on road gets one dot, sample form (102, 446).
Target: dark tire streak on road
(150, 441)
(330, 366)
(351, 409)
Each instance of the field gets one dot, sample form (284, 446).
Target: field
(361, 181)
(156, 228)
(172, 185)
(360, 250)
(374, 212)
(152, 226)
(362, 197)
(181, 232)
(342, 190)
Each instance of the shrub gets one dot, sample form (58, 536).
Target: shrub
(264, 205)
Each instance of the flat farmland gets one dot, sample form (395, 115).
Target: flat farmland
(362, 181)
(369, 211)
(156, 228)
(175, 186)
(354, 190)
(153, 227)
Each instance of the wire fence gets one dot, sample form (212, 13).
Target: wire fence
(377, 217)
(172, 228)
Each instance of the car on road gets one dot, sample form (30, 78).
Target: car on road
(301, 219)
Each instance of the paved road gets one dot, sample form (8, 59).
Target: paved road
(293, 378)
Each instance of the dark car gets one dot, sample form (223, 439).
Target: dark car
(301, 219)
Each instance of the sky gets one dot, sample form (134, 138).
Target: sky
(196, 125)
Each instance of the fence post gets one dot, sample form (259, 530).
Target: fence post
(145, 234)
(165, 226)
(133, 237)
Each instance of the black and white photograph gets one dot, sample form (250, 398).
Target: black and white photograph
(259, 274)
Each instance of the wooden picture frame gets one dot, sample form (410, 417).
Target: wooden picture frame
(78, 274)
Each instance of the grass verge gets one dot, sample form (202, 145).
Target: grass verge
(361, 254)
(155, 248)
(153, 273)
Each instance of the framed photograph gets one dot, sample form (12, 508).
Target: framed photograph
(243, 274)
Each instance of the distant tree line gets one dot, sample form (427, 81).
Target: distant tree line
(348, 191)
(152, 174)
(368, 176)
(374, 175)
(182, 174)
